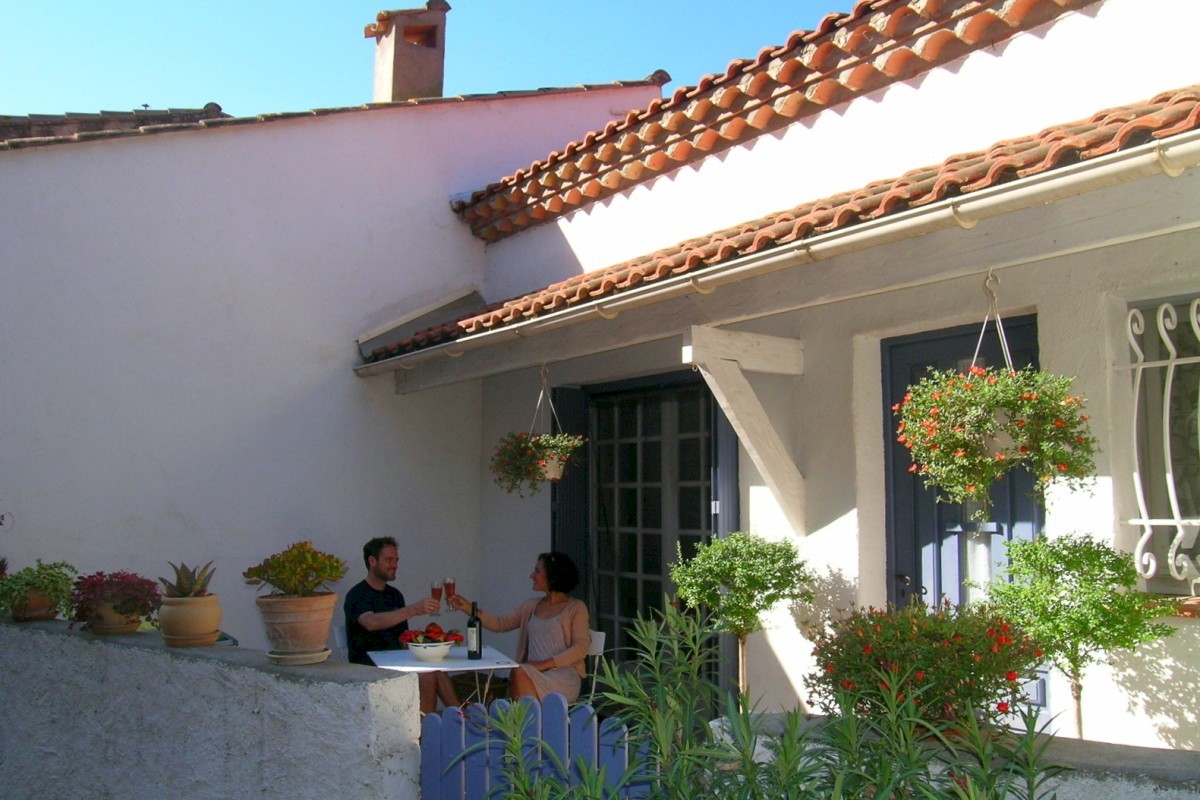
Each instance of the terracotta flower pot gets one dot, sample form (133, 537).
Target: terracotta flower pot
(297, 627)
(106, 621)
(36, 606)
(190, 621)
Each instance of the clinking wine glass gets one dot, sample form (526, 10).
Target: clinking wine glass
(448, 583)
(435, 591)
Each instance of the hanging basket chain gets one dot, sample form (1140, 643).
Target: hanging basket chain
(993, 311)
(544, 396)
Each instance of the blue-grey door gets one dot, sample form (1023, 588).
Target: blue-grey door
(931, 552)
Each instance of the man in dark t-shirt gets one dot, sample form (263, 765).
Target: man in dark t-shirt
(376, 615)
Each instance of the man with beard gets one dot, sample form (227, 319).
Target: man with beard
(376, 616)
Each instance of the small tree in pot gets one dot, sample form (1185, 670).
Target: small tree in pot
(1078, 598)
(114, 602)
(737, 579)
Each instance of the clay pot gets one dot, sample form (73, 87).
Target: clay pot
(36, 606)
(107, 622)
(190, 621)
(297, 627)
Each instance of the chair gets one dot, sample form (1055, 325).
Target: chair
(595, 651)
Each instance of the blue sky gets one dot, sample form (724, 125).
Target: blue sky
(258, 56)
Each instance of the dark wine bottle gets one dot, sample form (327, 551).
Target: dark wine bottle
(474, 634)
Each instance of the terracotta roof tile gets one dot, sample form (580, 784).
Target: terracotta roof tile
(1167, 114)
(877, 43)
(40, 130)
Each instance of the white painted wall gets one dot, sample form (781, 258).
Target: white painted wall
(1118, 52)
(177, 326)
(1069, 69)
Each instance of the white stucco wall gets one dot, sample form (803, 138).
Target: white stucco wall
(830, 419)
(89, 717)
(177, 327)
(1065, 70)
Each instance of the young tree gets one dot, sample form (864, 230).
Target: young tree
(738, 578)
(1078, 599)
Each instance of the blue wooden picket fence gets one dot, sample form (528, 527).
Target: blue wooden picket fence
(570, 733)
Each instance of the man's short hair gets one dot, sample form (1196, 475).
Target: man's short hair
(372, 548)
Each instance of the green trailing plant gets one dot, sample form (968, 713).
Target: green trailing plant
(738, 578)
(298, 571)
(954, 661)
(55, 580)
(128, 593)
(519, 458)
(189, 581)
(1079, 598)
(964, 431)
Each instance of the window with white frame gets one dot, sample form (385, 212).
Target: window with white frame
(1164, 340)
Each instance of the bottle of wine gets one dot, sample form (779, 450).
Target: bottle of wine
(474, 634)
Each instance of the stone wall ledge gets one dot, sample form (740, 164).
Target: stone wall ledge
(90, 716)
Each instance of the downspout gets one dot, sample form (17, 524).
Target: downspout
(1171, 159)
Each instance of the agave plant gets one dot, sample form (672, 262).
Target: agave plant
(189, 581)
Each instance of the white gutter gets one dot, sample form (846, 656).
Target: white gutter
(1170, 158)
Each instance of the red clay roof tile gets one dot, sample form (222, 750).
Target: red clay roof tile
(877, 43)
(1166, 115)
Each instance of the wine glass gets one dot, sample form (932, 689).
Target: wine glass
(448, 582)
(435, 591)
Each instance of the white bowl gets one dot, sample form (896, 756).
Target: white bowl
(430, 651)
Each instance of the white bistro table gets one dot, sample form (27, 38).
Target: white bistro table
(455, 661)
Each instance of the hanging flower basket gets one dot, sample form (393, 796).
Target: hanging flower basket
(522, 460)
(965, 431)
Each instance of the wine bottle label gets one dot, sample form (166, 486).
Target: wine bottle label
(473, 639)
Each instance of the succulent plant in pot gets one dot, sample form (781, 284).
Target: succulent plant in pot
(114, 602)
(297, 614)
(39, 592)
(190, 615)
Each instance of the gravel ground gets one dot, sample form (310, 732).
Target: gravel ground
(1082, 787)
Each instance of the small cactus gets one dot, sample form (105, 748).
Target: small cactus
(189, 582)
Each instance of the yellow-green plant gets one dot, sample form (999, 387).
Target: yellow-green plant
(299, 571)
(55, 580)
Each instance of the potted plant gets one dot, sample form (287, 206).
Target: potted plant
(298, 612)
(737, 579)
(1079, 598)
(38, 592)
(523, 460)
(190, 616)
(964, 431)
(114, 602)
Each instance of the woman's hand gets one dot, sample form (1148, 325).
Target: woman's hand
(460, 603)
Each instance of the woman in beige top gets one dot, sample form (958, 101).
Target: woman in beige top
(552, 639)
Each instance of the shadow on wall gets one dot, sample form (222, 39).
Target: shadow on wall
(833, 594)
(1162, 686)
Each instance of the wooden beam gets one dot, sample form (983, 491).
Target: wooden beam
(752, 351)
(756, 433)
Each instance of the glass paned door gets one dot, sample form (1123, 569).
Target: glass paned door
(651, 493)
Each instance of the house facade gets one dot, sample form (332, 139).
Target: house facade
(724, 290)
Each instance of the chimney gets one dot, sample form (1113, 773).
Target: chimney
(410, 52)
